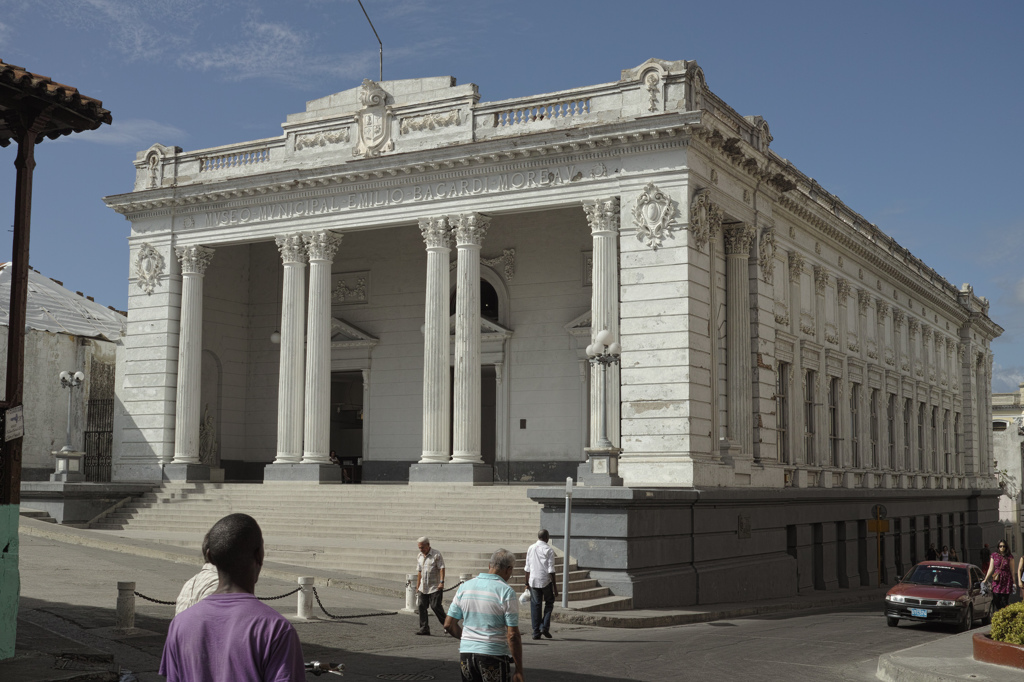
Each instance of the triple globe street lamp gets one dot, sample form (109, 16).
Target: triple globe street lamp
(69, 461)
(603, 456)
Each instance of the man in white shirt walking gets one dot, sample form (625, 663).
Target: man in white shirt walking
(429, 583)
(540, 577)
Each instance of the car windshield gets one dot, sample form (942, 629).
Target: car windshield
(940, 576)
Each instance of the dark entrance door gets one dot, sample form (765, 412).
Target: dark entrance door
(347, 423)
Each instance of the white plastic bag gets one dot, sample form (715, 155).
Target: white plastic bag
(524, 598)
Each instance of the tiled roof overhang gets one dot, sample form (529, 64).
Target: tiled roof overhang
(24, 95)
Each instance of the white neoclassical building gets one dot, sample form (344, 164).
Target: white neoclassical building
(410, 277)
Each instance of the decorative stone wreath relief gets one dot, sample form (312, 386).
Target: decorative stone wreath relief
(652, 216)
(321, 138)
(705, 219)
(344, 294)
(149, 266)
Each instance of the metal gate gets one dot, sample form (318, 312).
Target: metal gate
(99, 440)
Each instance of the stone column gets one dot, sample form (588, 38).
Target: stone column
(436, 378)
(738, 238)
(603, 218)
(469, 230)
(185, 466)
(290, 381)
(320, 247)
(797, 447)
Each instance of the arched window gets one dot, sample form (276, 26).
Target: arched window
(490, 307)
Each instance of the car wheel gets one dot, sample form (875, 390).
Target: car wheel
(987, 618)
(968, 622)
(892, 622)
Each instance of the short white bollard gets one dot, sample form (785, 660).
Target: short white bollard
(305, 605)
(125, 606)
(463, 577)
(410, 593)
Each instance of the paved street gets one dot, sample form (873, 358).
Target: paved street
(72, 590)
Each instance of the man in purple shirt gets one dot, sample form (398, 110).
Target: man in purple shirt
(232, 635)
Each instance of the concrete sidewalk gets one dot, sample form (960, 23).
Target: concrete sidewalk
(630, 618)
(950, 659)
(64, 634)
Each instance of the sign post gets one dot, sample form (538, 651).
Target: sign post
(879, 525)
(565, 559)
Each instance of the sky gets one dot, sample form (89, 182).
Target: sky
(909, 111)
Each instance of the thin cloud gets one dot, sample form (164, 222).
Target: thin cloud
(137, 132)
(1006, 379)
(275, 51)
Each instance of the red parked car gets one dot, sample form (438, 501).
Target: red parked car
(940, 592)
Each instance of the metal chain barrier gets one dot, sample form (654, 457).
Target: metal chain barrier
(280, 596)
(358, 615)
(155, 601)
(455, 586)
(172, 603)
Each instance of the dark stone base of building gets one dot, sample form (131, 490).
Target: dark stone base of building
(680, 547)
(503, 472)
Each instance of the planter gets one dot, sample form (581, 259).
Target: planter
(987, 650)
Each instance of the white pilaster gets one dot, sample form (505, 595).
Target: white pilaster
(469, 230)
(290, 381)
(320, 247)
(194, 261)
(738, 238)
(603, 218)
(436, 378)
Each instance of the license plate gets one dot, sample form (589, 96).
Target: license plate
(919, 613)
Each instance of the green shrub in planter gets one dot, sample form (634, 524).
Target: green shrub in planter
(1008, 624)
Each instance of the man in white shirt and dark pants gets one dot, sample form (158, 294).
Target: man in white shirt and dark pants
(429, 583)
(540, 577)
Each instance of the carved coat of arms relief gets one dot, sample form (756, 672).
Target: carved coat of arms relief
(374, 121)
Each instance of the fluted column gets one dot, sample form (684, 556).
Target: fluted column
(320, 247)
(436, 377)
(603, 218)
(290, 379)
(194, 261)
(738, 238)
(469, 230)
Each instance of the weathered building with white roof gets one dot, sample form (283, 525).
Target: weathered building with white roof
(411, 277)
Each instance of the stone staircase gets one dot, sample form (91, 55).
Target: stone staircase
(363, 530)
(37, 514)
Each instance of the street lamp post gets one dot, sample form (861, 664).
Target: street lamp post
(602, 465)
(71, 382)
(68, 466)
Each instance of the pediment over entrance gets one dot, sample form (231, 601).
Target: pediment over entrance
(579, 329)
(350, 346)
(488, 329)
(492, 341)
(344, 335)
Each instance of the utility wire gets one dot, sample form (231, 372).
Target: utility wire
(378, 40)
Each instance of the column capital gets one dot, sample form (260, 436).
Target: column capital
(291, 248)
(436, 231)
(843, 288)
(469, 229)
(738, 237)
(705, 218)
(321, 245)
(882, 306)
(897, 318)
(602, 215)
(194, 259)
(863, 300)
(796, 266)
(820, 280)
